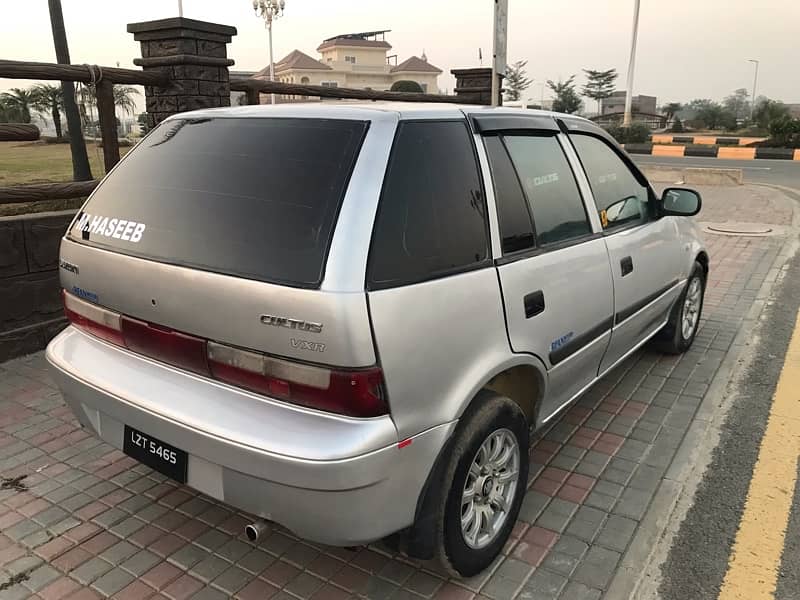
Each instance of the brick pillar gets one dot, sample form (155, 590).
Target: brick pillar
(475, 85)
(194, 56)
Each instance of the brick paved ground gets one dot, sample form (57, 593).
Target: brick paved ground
(78, 519)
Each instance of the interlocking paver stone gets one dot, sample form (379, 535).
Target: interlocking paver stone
(113, 581)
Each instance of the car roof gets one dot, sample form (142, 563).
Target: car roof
(370, 111)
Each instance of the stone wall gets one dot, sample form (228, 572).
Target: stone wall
(30, 301)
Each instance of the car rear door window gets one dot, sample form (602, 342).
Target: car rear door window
(431, 219)
(516, 228)
(620, 198)
(251, 197)
(550, 188)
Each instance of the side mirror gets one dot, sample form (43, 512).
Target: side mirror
(680, 202)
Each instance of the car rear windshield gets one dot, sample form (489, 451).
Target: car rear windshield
(255, 197)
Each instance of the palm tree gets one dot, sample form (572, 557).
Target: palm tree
(81, 171)
(18, 105)
(49, 98)
(123, 98)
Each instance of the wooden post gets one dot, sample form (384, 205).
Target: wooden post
(253, 96)
(108, 123)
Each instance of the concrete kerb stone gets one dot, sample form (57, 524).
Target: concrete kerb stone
(693, 175)
(676, 491)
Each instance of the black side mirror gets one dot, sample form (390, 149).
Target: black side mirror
(680, 202)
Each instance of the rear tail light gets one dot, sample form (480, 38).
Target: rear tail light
(356, 392)
(93, 319)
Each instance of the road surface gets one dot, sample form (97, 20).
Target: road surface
(777, 172)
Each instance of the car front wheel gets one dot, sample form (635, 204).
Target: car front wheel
(678, 335)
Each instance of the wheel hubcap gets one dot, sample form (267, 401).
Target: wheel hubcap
(691, 308)
(490, 487)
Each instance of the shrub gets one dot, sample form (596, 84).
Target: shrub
(677, 126)
(406, 85)
(634, 134)
(784, 132)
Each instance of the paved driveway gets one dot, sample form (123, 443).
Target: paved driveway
(81, 520)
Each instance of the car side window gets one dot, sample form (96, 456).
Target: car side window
(431, 218)
(550, 188)
(516, 228)
(620, 198)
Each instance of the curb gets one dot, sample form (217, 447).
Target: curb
(665, 138)
(632, 570)
(709, 151)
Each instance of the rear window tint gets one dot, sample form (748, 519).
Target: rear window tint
(255, 198)
(432, 216)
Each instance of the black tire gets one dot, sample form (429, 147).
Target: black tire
(671, 339)
(488, 414)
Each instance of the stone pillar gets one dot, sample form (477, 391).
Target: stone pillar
(474, 86)
(194, 56)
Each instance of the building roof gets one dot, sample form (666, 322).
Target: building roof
(353, 42)
(415, 65)
(294, 60)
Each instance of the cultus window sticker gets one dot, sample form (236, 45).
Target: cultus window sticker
(119, 229)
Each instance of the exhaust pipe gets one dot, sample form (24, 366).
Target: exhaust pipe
(253, 531)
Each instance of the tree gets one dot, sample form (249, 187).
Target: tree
(49, 98)
(566, 98)
(766, 111)
(406, 85)
(712, 114)
(123, 98)
(516, 80)
(671, 109)
(738, 104)
(599, 85)
(18, 104)
(80, 158)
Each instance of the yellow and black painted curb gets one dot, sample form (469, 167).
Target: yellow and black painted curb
(735, 153)
(704, 140)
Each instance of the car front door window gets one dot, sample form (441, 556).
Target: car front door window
(620, 198)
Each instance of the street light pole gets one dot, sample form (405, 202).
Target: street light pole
(269, 10)
(626, 121)
(755, 83)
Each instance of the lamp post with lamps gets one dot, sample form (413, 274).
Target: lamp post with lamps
(755, 83)
(269, 10)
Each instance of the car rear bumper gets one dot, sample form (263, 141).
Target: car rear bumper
(330, 479)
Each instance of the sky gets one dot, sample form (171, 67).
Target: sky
(687, 48)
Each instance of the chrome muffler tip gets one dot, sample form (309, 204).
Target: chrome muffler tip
(254, 531)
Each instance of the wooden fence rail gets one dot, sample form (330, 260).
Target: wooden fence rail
(254, 87)
(17, 194)
(18, 69)
(18, 132)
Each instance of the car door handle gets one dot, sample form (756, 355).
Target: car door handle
(626, 265)
(534, 304)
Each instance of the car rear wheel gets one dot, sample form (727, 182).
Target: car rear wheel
(678, 335)
(487, 475)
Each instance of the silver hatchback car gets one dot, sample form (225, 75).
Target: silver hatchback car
(349, 319)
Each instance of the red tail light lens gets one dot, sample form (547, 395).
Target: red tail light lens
(93, 319)
(356, 393)
(174, 348)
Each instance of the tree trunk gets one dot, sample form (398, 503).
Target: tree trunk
(57, 120)
(80, 159)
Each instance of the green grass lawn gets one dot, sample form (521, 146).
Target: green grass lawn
(37, 162)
